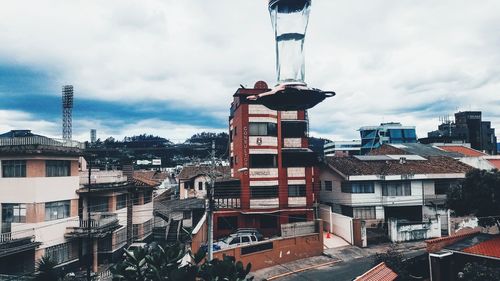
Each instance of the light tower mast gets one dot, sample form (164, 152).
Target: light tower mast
(67, 106)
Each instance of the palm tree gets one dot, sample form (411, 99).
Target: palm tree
(46, 270)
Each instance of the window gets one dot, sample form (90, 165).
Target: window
(442, 187)
(57, 210)
(245, 239)
(263, 161)
(358, 187)
(294, 129)
(99, 204)
(262, 192)
(12, 213)
(60, 253)
(227, 223)
(297, 190)
(14, 168)
(148, 197)
(297, 218)
(200, 185)
(401, 188)
(268, 221)
(57, 168)
(328, 185)
(262, 129)
(121, 201)
(367, 213)
(136, 197)
(235, 240)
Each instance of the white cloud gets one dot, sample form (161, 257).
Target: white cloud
(388, 61)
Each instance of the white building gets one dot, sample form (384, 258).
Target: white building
(38, 183)
(342, 148)
(378, 187)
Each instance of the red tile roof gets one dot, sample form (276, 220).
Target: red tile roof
(495, 162)
(189, 172)
(489, 248)
(433, 165)
(381, 272)
(465, 151)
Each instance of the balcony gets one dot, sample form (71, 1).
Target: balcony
(100, 224)
(227, 203)
(102, 177)
(18, 241)
(434, 199)
(267, 203)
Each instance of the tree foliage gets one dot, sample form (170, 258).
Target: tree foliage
(395, 261)
(46, 270)
(480, 272)
(478, 195)
(156, 262)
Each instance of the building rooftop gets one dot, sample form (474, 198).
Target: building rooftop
(420, 149)
(462, 150)
(21, 142)
(482, 244)
(380, 272)
(433, 165)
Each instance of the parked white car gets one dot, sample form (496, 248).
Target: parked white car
(237, 239)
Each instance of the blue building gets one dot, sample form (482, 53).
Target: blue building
(374, 136)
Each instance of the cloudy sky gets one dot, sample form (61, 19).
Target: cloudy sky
(170, 67)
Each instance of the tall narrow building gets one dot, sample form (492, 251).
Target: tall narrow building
(272, 168)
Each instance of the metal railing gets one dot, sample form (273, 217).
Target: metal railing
(99, 222)
(39, 140)
(10, 236)
(227, 203)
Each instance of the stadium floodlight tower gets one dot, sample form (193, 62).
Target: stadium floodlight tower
(67, 106)
(289, 19)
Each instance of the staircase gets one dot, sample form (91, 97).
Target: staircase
(173, 231)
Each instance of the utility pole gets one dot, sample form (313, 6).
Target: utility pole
(210, 207)
(89, 238)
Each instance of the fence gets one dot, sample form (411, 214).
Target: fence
(298, 228)
(337, 224)
(9, 236)
(400, 231)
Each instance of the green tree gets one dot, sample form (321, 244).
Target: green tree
(480, 272)
(478, 195)
(156, 262)
(46, 270)
(395, 261)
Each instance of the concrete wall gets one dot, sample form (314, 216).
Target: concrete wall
(283, 250)
(337, 224)
(399, 232)
(38, 189)
(142, 213)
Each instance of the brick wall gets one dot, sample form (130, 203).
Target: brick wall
(35, 168)
(435, 245)
(283, 250)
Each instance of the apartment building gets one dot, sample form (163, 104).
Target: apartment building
(38, 183)
(272, 168)
(378, 187)
(121, 212)
(342, 148)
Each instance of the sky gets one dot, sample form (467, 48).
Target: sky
(169, 68)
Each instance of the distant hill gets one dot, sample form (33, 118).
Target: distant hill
(110, 152)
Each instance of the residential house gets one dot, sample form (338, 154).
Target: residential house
(38, 183)
(378, 187)
(194, 180)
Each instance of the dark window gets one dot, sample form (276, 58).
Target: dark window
(235, 130)
(263, 192)
(268, 221)
(397, 188)
(148, 197)
(12, 213)
(13, 168)
(257, 248)
(297, 190)
(262, 129)
(328, 185)
(231, 161)
(442, 187)
(367, 213)
(227, 223)
(136, 196)
(263, 161)
(200, 185)
(57, 210)
(293, 129)
(57, 168)
(245, 239)
(99, 204)
(346, 210)
(297, 218)
(236, 240)
(121, 201)
(358, 187)
(230, 135)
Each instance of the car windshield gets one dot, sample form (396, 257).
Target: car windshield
(227, 239)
